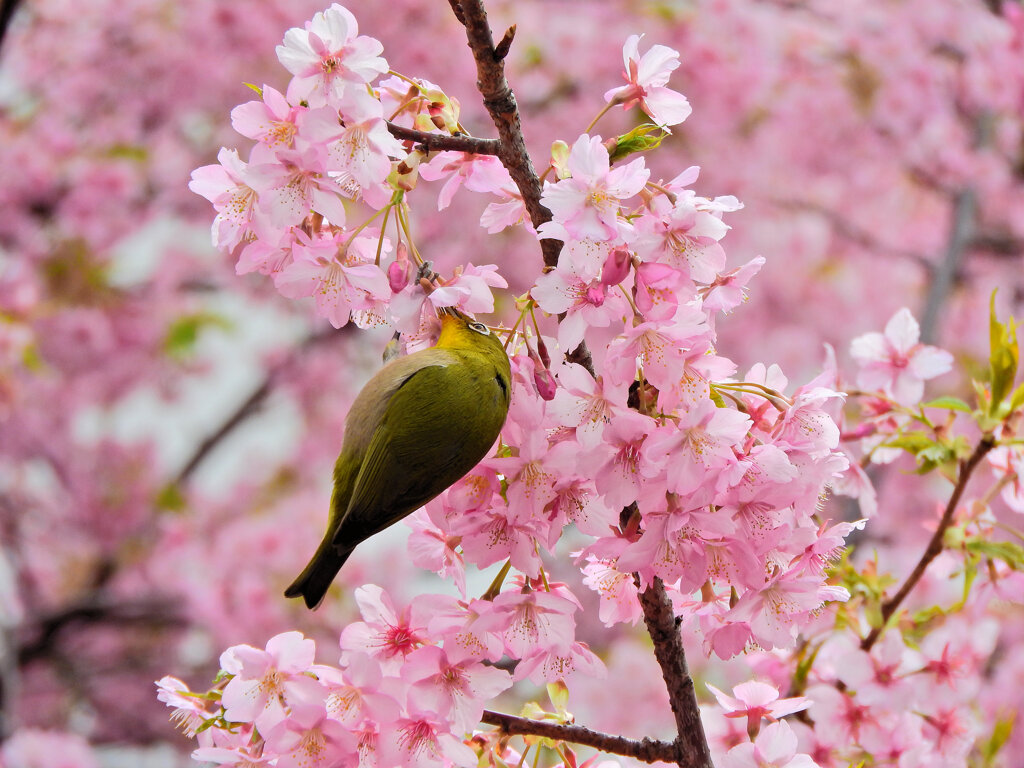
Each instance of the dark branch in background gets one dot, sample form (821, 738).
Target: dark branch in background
(7, 9)
(45, 632)
(501, 106)
(249, 407)
(645, 750)
(934, 549)
(998, 244)
(961, 236)
(439, 142)
(849, 231)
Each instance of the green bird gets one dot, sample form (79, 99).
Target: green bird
(420, 424)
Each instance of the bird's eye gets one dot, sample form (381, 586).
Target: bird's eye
(480, 328)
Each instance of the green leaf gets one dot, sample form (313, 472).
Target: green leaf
(1017, 398)
(1010, 553)
(1003, 356)
(949, 403)
(1001, 733)
(184, 332)
(911, 442)
(640, 139)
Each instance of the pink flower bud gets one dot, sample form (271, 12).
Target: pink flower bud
(400, 270)
(595, 294)
(545, 382)
(616, 267)
(542, 353)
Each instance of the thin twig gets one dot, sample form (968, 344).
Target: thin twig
(645, 750)
(935, 546)
(439, 142)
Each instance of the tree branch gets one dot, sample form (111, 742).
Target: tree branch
(645, 750)
(691, 745)
(961, 236)
(7, 9)
(935, 546)
(438, 142)
(249, 407)
(46, 629)
(849, 231)
(501, 106)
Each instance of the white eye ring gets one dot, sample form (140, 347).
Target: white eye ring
(480, 328)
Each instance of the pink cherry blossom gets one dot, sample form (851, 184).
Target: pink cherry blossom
(310, 739)
(755, 701)
(700, 443)
(588, 302)
(584, 403)
(587, 203)
(896, 362)
(775, 747)
(227, 186)
(265, 682)
(618, 592)
(329, 56)
(271, 121)
(646, 77)
(424, 740)
(384, 634)
(451, 687)
(293, 183)
(684, 235)
(535, 620)
(477, 173)
(360, 151)
(338, 272)
(189, 711)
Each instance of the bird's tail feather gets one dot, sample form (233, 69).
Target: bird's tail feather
(313, 583)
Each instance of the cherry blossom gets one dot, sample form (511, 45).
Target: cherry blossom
(775, 747)
(587, 202)
(755, 701)
(329, 56)
(896, 362)
(646, 77)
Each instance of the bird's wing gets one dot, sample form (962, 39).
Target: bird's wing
(415, 453)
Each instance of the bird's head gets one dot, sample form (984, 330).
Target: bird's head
(460, 331)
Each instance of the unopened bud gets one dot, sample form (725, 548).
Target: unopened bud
(542, 352)
(616, 267)
(595, 294)
(560, 159)
(399, 271)
(545, 382)
(641, 139)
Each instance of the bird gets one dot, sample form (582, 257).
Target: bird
(419, 425)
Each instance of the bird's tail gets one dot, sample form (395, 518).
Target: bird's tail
(313, 583)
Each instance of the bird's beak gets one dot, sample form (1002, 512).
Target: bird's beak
(452, 312)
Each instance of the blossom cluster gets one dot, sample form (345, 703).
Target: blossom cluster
(396, 697)
(725, 497)
(675, 469)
